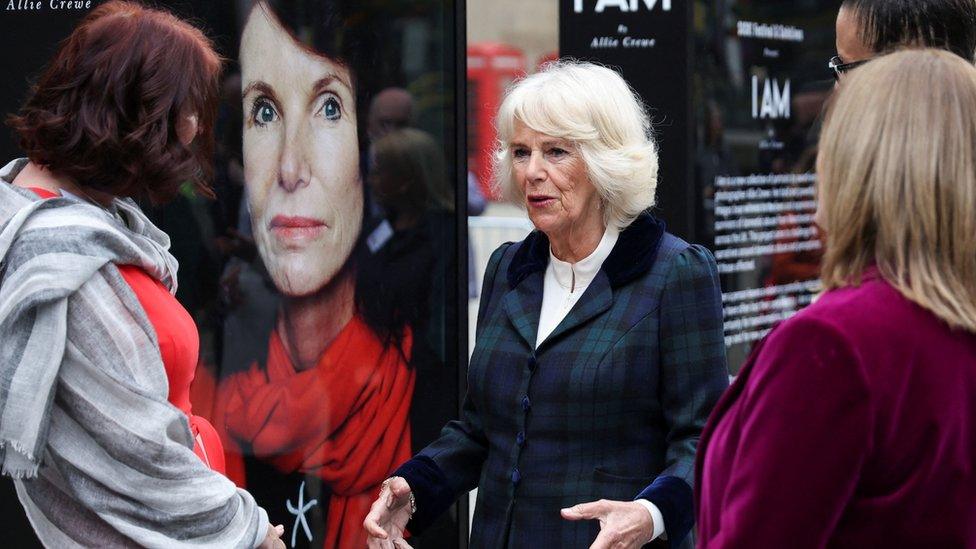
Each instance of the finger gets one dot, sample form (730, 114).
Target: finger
(280, 529)
(401, 544)
(584, 511)
(373, 528)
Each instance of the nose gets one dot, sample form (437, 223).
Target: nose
(294, 171)
(535, 171)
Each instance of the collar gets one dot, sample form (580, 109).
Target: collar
(584, 270)
(632, 255)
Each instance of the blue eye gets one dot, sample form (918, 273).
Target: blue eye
(263, 112)
(520, 153)
(331, 109)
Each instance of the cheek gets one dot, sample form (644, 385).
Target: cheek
(518, 174)
(260, 165)
(337, 166)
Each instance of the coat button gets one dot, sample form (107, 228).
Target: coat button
(532, 362)
(520, 438)
(526, 403)
(516, 477)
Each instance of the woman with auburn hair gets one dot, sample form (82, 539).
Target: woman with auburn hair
(96, 427)
(852, 424)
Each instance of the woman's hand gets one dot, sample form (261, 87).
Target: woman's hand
(388, 517)
(623, 524)
(272, 539)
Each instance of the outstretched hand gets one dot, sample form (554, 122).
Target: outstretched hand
(388, 517)
(623, 524)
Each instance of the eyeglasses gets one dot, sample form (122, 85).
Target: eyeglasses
(839, 67)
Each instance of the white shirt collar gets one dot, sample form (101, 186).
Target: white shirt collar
(585, 269)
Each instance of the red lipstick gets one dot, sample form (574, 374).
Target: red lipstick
(295, 227)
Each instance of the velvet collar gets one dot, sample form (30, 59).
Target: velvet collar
(632, 256)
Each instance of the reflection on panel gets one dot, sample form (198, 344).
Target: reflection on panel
(323, 276)
(761, 84)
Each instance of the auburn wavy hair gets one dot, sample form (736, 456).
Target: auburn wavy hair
(105, 111)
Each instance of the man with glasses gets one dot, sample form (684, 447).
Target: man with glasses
(868, 28)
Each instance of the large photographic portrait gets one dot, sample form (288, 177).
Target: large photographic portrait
(322, 275)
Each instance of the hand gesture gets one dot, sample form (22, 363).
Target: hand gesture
(388, 517)
(623, 524)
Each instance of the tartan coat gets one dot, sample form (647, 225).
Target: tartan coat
(609, 406)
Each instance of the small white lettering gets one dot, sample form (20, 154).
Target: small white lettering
(604, 42)
(70, 4)
(785, 33)
(631, 42)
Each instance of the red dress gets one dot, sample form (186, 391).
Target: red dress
(179, 345)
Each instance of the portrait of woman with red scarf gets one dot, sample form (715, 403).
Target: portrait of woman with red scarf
(349, 383)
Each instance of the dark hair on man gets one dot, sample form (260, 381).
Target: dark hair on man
(944, 24)
(105, 110)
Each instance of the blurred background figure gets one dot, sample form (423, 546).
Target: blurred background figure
(409, 183)
(391, 109)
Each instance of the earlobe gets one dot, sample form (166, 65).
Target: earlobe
(188, 129)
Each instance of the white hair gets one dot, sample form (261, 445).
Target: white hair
(594, 108)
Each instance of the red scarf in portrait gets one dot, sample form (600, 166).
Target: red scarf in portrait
(346, 420)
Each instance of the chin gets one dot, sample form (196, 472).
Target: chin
(544, 223)
(294, 278)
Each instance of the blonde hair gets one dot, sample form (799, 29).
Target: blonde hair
(897, 181)
(593, 107)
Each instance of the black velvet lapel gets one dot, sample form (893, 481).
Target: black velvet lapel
(632, 256)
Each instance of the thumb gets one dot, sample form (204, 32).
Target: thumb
(583, 511)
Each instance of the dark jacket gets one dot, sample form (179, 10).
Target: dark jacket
(853, 424)
(609, 406)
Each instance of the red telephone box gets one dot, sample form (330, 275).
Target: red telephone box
(491, 68)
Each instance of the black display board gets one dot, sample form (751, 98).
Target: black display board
(647, 41)
(224, 280)
(736, 90)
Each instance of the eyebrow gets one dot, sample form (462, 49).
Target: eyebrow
(328, 79)
(562, 143)
(261, 86)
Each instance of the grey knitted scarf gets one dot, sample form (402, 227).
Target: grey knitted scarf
(99, 456)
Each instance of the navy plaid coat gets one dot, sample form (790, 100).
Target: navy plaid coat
(609, 406)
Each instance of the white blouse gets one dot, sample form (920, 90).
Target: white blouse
(565, 283)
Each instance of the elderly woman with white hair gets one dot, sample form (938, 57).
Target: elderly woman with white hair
(599, 348)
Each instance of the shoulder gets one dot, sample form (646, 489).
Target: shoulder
(679, 265)
(872, 312)
(683, 260)
(839, 339)
(500, 261)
